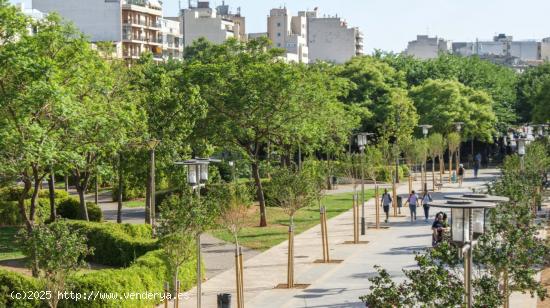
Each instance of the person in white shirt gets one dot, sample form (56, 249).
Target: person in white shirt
(412, 201)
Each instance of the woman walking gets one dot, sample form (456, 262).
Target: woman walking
(412, 201)
(426, 200)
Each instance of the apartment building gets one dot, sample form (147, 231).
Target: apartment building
(425, 47)
(289, 33)
(502, 49)
(215, 25)
(331, 39)
(545, 49)
(133, 26)
(172, 39)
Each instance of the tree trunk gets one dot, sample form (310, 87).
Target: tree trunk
(120, 188)
(148, 197)
(81, 186)
(329, 182)
(51, 187)
(66, 183)
(37, 180)
(21, 204)
(96, 193)
(259, 192)
(441, 169)
(450, 165)
(433, 173)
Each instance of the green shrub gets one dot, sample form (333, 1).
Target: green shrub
(147, 274)
(9, 213)
(116, 244)
(129, 193)
(70, 208)
(14, 282)
(59, 194)
(162, 195)
(10, 216)
(11, 193)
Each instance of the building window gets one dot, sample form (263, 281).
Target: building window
(278, 24)
(279, 34)
(278, 44)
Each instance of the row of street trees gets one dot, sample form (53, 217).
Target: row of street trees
(507, 258)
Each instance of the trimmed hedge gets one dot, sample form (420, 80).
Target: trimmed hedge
(116, 244)
(14, 282)
(66, 208)
(147, 274)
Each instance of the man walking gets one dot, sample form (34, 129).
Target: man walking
(386, 202)
(477, 164)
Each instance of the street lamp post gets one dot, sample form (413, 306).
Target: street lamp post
(467, 224)
(423, 176)
(362, 141)
(197, 175)
(151, 146)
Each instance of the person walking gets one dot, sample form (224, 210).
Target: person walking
(477, 164)
(386, 202)
(426, 200)
(412, 201)
(460, 174)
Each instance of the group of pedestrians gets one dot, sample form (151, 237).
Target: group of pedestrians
(413, 200)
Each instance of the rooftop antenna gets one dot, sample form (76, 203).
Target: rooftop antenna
(189, 4)
(179, 6)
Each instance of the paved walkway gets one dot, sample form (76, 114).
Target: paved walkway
(334, 285)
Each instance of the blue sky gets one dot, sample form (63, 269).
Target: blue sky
(390, 24)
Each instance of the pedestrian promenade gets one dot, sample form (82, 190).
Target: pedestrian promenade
(337, 285)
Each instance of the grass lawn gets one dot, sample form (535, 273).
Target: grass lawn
(262, 239)
(134, 203)
(8, 247)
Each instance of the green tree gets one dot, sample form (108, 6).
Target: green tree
(379, 91)
(172, 104)
(254, 98)
(183, 217)
(38, 74)
(292, 191)
(532, 94)
(436, 145)
(59, 252)
(442, 103)
(496, 80)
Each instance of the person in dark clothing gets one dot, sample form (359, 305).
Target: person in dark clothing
(438, 227)
(460, 174)
(426, 200)
(386, 202)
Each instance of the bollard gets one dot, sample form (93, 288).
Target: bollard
(224, 300)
